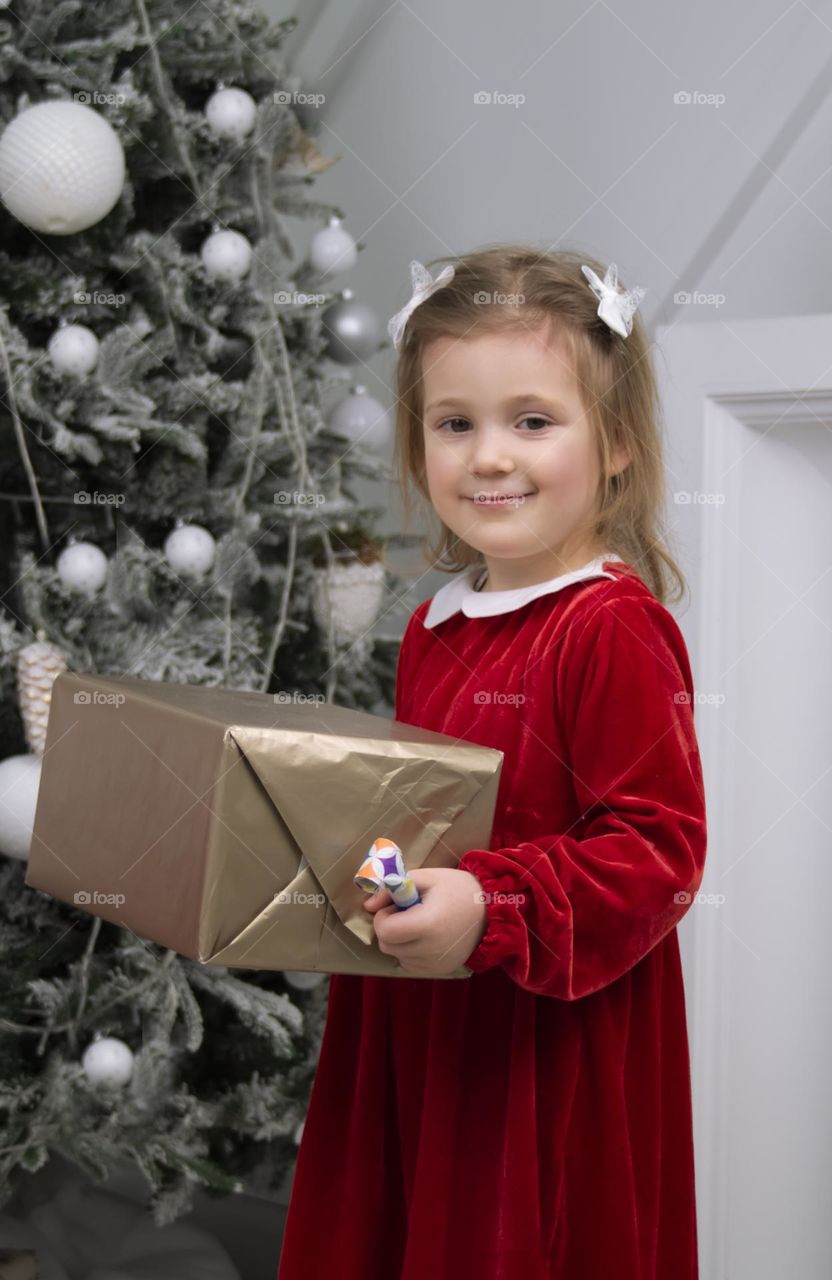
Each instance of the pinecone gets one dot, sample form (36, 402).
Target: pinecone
(38, 664)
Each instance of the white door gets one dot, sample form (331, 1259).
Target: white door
(748, 416)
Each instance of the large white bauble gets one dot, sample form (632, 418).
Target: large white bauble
(303, 981)
(19, 783)
(73, 348)
(61, 167)
(83, 567)
(108, 1061)
(362, 419)
(226, 255)
(231, 113)
(333, 249)
(190, 549)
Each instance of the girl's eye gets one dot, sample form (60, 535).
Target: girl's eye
(530, 418)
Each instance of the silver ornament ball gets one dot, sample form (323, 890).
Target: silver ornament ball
(362, 419)
(352, 330)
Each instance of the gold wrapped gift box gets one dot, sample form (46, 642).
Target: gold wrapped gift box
(228, 825)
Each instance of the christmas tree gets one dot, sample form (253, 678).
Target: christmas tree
(177, 506)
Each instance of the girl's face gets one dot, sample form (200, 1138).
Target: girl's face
(504, 417)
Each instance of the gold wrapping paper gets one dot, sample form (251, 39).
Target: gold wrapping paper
(228, 825)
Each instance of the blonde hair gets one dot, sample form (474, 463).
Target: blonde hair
(616, 378)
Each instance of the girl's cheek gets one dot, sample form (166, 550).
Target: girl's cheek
(562, 469)
(440, 463)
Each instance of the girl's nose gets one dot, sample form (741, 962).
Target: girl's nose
(490, 454)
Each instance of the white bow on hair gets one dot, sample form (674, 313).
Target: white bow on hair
(616, 308)
(423, 286)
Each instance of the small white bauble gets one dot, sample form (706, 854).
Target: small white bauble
(73, 349)
(303, 981)
(82, 566)
(190, 549)
(231, 113)
(333, 249)
(226, 255)
(61, 167)
(108, 1061)
(19, 783)
(362, 419)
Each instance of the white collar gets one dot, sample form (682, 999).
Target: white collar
(459, 593)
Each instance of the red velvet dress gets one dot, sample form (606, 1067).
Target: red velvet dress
(534, 1120)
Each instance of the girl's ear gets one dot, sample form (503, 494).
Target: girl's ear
(620, 460)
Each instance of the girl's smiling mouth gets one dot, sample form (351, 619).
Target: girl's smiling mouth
(499, 499)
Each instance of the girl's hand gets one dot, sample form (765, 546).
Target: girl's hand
(436, 936)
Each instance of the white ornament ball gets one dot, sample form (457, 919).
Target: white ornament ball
(231, 113)
(226, 255)
(333, 249)
(73, 349)
(190, 549)
(61, 167)
(362, 419)
(82, 566)
(303, 981)
(108, 1061)
(19, 783)
(351, 594)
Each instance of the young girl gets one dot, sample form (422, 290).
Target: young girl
(533, 1120)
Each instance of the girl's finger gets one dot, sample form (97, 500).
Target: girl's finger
(375, 901)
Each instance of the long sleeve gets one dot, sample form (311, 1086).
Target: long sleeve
(570, 912)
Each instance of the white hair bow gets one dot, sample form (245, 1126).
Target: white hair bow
(616, 308)
(423, 286)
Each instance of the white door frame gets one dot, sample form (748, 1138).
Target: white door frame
(724, 386)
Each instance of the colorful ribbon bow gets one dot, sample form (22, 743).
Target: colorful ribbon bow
(616, 308)
(423, 286)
